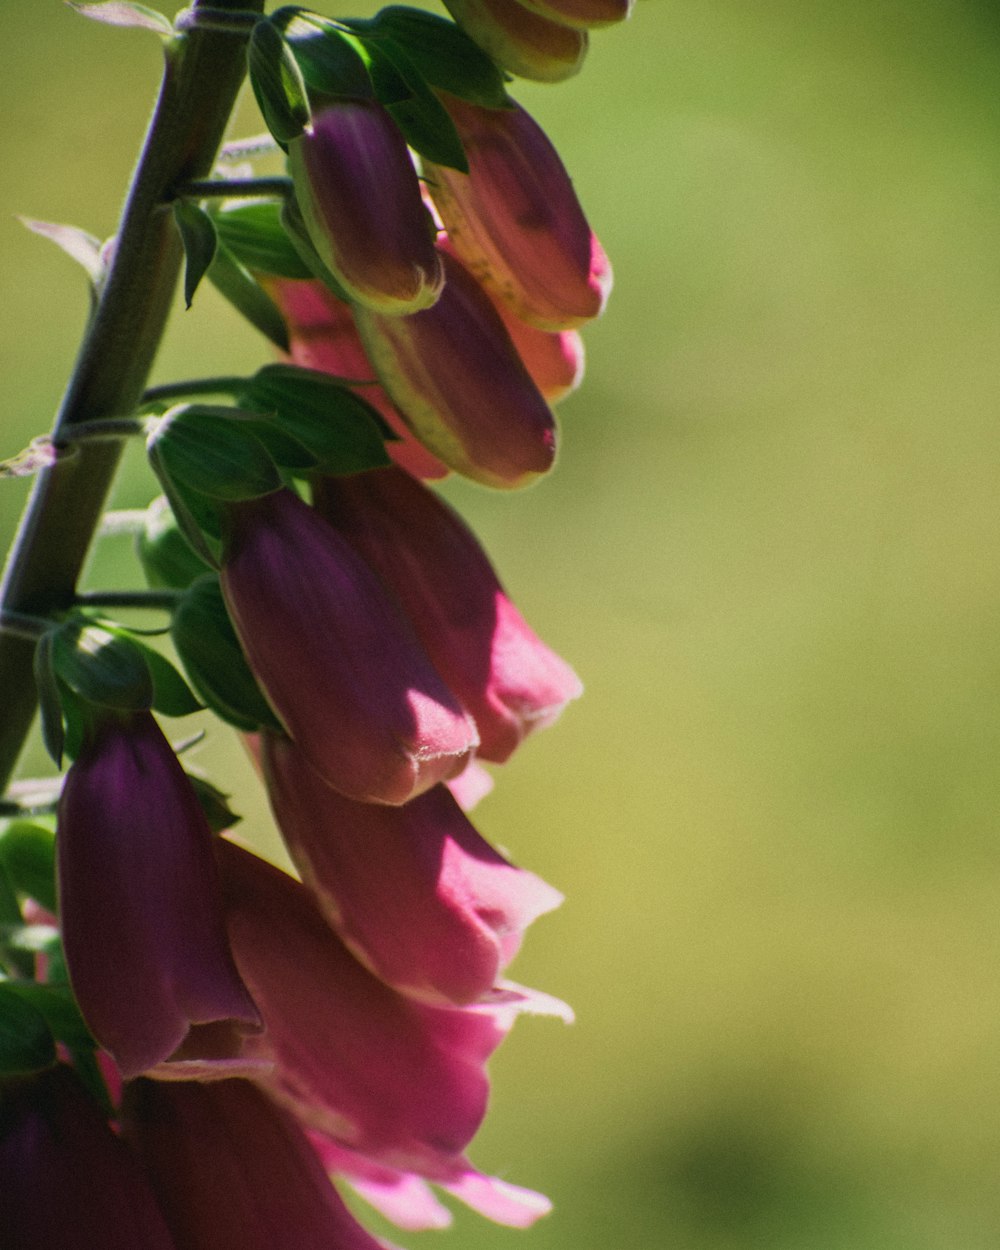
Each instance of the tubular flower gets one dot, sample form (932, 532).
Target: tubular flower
(323, 337)
(523, 42)
(142, 926)
(506, 677)
(515, 221)
(582, 14)
(361, 202)
(414, 891)
(336, 659)
(456, 378)
(232, 1171)
(398, 1081)
(69, 1183)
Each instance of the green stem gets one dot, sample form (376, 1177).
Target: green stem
(157, 600)
(236, 188)
(224, 385)
(203, 72)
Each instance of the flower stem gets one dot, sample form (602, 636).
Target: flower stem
(157, 600)
(236, 188)
(201, 77)
(225, 385)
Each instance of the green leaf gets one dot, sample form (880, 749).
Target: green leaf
(234, 281)
(198, 236)
(126, 13)
(277, 83)
(198, 517)
(332, 61)
(167, 558)
(211, 654)
(254, 235)
(442, 52)
(214, 804)
(76, 243)
(26, 1042)
(28, 856)
(57, 1006)
(171, 694)
(414, 107)
(204, 449)
(101, 666)
(49, 702)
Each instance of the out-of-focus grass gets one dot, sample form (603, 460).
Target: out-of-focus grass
(770, 549)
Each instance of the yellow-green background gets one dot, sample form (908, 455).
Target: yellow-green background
(770, 548)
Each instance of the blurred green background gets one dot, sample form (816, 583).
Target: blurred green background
(770, 549)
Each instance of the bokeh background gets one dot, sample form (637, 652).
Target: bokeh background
(770, 548)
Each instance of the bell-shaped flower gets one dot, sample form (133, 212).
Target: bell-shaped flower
(139, 903)
(457, 379)
(335, 657)
(506, 677)
(554, 359)
(523, 42)
(396, 1080)
(232, 1171)
(323, 336)
(69, 1182)
(414, 891)
(583, 14)
(471, 785)
(515, 220)
(361, 203)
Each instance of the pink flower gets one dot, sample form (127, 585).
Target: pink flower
(360, 199)
(69, 1183)
(456, 378)
(523, 42)
(581, 13)
(138, 898)
(515, 221)
(506, 677)
(336, 659)
(414, 891)
(398, 1081)
(232, 1171)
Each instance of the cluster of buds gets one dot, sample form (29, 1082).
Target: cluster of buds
(257, 1033)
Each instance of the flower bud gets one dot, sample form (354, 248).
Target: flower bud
(458, 382)
(361, 202)
(523, 42)
(515, 221)
(582, 14)
(504, 675)
(337, 661)
(138, 898)
(414, 891)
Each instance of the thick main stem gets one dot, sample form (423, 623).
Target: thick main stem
(203, 72)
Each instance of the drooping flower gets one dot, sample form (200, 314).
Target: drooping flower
(523, 42)
(458, 382)
(232, 1171)
(515, 220)
(68, 1181)
(139, 904)
(583, 14)
(398, 1081)
(361, 203)
(507, 678)
(414, 891)
(335, 657)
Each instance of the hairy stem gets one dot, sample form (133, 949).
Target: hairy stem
(202, 75)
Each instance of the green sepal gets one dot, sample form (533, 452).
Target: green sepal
(413, 106)
(214, 804)
(277, 83)
(200, 244)
(206, 642)
(101, 665)
(332, 61)
(172, 696)
(167, 558)
(295, 226)
(49, 701)
(342, 431)
(126, 13)
(28, 858)
(57, 1006)
(207, 449)
(198, 517)
(26, 1041)
(236, 284)
(254, 235)
(443, 53)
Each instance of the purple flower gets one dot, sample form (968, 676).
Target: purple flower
(139, 905)
(505, 676)
(414, 891)
(335, 657)
(523, 42)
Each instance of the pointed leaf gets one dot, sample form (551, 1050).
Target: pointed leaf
(198, 236)
(172, 696)
(101, 666)
(26, 1043)
(126, 13)
(254, 235)
(27, 853)
(214, 804)
(277, 83)
(332, 61)
(76, 243)
(233, 281)
(167, 558)
(57, 1006)
(213, 454)
(417, 112)
(49, 702)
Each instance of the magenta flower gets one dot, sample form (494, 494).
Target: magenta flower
(414, 891)
(506, 677)
(458, 382)
(335, 657)
(360, 199)
(232, 1171)
(69, 1183)
(515, 221)
(523, 42)
(396, 1080)
(139, 906)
